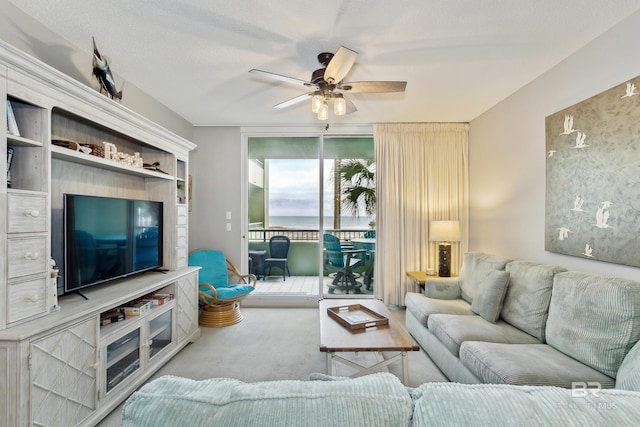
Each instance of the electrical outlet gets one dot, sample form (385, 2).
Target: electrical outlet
(228, 226)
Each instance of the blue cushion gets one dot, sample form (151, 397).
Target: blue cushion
(214, 267)
(229, 292)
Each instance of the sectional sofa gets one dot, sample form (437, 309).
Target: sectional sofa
(370, 401)
(522, 323)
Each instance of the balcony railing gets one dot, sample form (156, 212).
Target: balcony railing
(297, 234)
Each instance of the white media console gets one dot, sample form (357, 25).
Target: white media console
(58, 365)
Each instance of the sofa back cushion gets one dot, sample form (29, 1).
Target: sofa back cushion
(475, 267)
(526, 304)
(377, 399)
(454, 404)
(594, 319)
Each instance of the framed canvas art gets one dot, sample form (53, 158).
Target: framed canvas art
(593, 177)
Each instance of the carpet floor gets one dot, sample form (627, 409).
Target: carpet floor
(272, 344)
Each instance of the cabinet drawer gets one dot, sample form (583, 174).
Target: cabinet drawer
(27, 213)
(27, 299)
(181, 233)
(26, 256)
(181, 215)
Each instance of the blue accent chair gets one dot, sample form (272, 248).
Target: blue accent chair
(342, 262)
(220, 289)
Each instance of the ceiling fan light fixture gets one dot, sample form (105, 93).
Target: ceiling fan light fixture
(316, 101)
(339, 105)
(323, 112)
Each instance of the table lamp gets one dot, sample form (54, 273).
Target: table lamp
(444, 232)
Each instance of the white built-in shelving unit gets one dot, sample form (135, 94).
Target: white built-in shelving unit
(58, 365)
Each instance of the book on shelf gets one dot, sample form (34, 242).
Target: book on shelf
(10, 152)
(12, 124)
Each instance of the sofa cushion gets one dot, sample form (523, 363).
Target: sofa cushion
(490, 296)
(377, 399)
(628, 376)
(453, 330)
(594, 319)
(526, 364)
(452, 404)
(442, 288)
(422, 307)
(526, 304)
(475, 266)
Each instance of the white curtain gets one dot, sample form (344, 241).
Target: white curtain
(421, 175)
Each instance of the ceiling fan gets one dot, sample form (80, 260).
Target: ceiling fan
(328, 86)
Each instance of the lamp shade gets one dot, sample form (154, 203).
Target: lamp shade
(444, 231)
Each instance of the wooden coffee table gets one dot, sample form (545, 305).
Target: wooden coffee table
(335, 337)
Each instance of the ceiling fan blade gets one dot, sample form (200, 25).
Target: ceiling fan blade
(373, 87)
(340, 65)
(294, 101)
(282, 78)
(350, 107)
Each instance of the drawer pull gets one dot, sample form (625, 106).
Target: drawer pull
(31, 298)
(31, 255)
(34, 213)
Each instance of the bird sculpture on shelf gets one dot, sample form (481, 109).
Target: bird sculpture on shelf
(103, 73)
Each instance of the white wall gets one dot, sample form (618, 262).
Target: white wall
(507, 151)
(217, 189)
(23, 32)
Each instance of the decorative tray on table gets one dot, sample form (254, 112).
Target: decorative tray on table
(356, 317)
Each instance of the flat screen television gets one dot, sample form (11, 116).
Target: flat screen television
(108, 238)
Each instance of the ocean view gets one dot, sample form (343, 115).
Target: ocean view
(348, 222)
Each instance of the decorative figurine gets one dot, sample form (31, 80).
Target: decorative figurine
(103, 73)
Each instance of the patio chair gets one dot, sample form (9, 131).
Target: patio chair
(342, 263)
(220, 289)
(278, 253)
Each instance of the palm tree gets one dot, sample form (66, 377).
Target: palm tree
(357, 187)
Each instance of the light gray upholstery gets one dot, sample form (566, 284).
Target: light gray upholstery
(475, 266)
(491, 291)
(478, 405)
(526, 304)
(628, 377)
(589, 324)
(526, 364)
(422, 307)
(452, 330)
(442, 288)
(594, 319)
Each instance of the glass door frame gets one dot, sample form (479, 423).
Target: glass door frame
(320, 131)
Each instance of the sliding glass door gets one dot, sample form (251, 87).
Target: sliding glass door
(349, 208)
(303, 191)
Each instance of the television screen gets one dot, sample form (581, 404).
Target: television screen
(108, 238)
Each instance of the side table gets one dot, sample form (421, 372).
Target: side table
(257, 262)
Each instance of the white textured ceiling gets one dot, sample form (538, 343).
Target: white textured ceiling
(459, 57)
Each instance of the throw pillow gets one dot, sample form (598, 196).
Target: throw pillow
(490, 295)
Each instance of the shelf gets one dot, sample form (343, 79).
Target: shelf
(98, 162)
(21, 141)
(124, 348)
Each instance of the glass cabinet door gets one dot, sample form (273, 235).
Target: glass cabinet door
(123, 358)
(160, 333)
